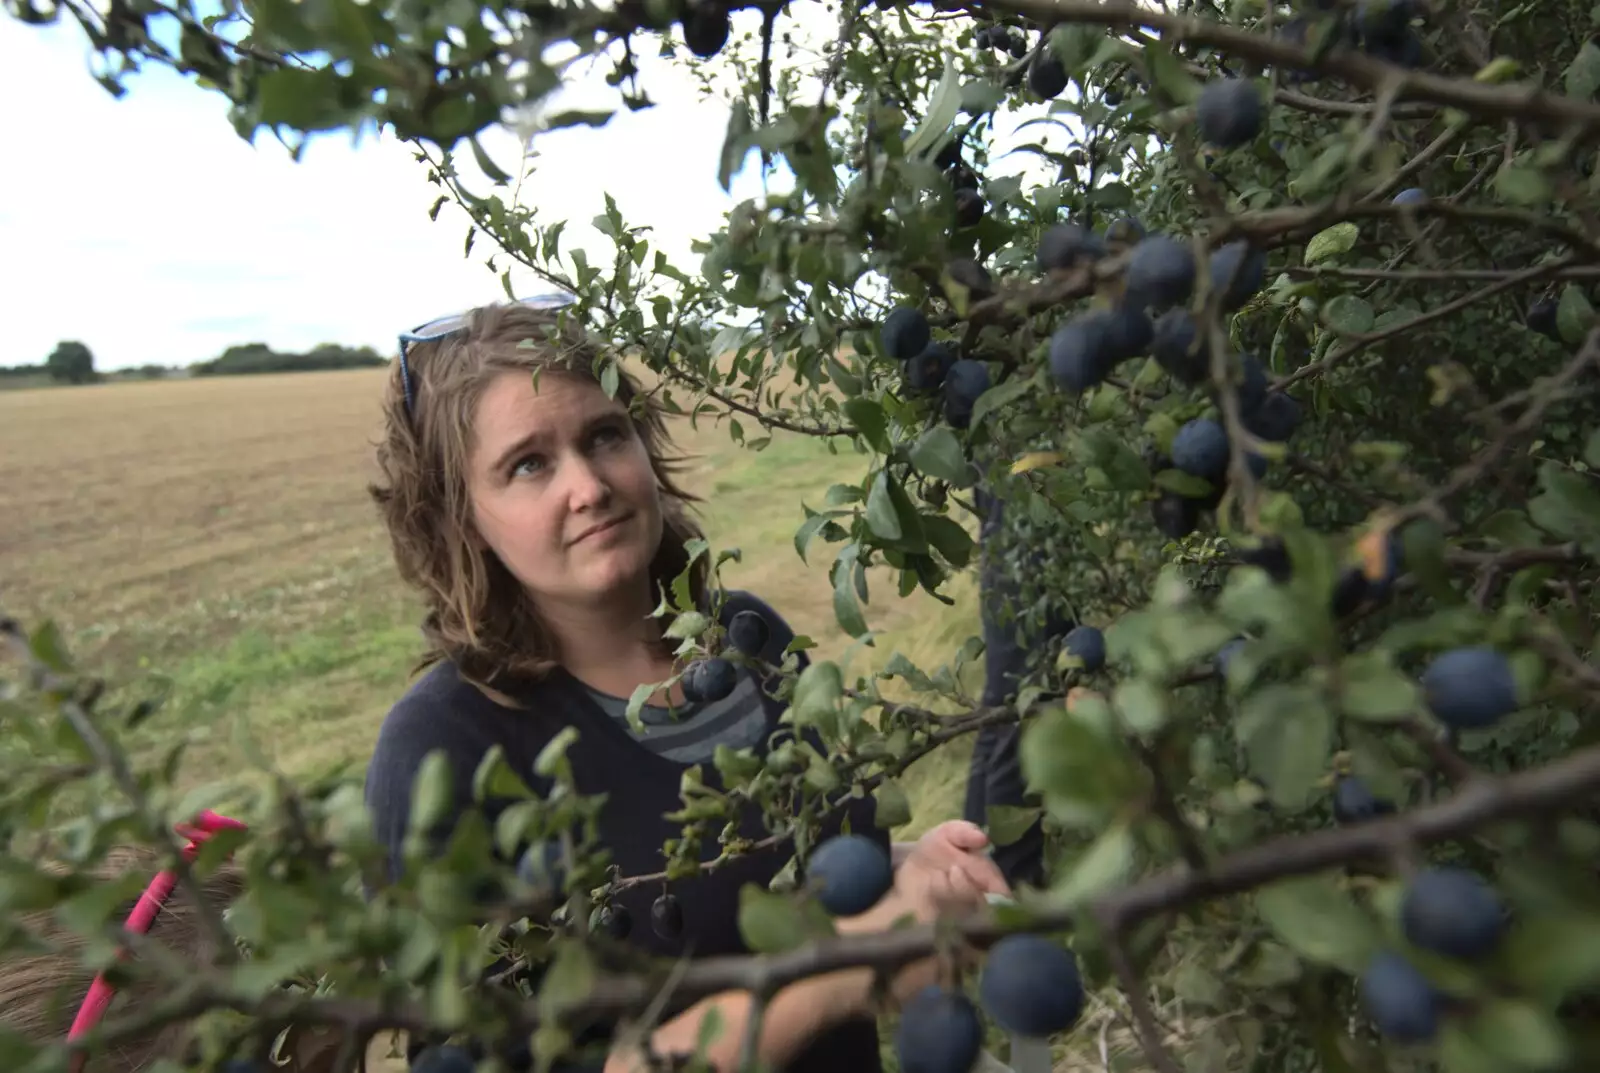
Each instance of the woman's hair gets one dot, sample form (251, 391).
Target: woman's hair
(40, 993)
(478, 614)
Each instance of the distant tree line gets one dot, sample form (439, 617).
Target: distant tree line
(73, 363)
(261, 358)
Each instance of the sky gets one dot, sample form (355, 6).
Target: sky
(149, 230)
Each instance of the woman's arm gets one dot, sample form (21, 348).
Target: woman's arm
(942, 872)
(796, 1014)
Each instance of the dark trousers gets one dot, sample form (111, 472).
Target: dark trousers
(995, 775)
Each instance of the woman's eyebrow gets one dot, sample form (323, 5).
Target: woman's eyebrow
(540, 436)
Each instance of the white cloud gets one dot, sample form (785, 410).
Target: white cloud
(148, 229)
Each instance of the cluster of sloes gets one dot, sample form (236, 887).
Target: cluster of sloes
(963, 181)
(1030, 985)
(1383, 29)
(931, 366)
(1446, 911)
(716, 677)
(1466, 689)
(1153, 318)
(1002, 38)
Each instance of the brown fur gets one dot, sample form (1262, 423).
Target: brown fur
(40, 993)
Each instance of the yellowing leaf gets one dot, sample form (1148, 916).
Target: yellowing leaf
(1037, 460)
(1338, 239)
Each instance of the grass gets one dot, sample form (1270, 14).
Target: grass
(216, 533)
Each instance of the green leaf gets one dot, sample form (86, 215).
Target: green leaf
(1074, 760)
(937, 453)
(1185, 484)
(980, 96)
(1375, 689)
(870, 420)
(893, 807)
(942, 111)
(1007, 823)
(495, 778)
(568, 981)
(952, 541)
(1591, 450)
(1333, 242)
(1287, 733)
(845, 607)
(736, 144)
(1348, 315)
(1167, 73)
(1520, 1035)
(1583, 73)
(1319, 922)
(1568, 506)
(1574, 315)
(486, 164)
(431, 792)
(554, 754)
(882, 518)
(688, 624)
(1142, 705)
(808, 529)
(1522, 184)
(1105, 865)
(576, 117)
(770, 922)
(842, 495)
(1511, 528)
(1553, 954)
(636, 701)
(1007, 391)
(817, 691)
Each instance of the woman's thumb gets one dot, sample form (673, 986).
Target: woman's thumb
(966, 836)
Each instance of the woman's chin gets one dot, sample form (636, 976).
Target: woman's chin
(614, 569)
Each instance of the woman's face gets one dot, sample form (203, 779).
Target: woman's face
(562, 490)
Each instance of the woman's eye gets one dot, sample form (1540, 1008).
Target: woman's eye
(527, 464)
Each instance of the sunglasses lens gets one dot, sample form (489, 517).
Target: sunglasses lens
(442, 326)
(553, 300)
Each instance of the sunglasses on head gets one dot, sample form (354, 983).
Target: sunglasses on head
(443, 327)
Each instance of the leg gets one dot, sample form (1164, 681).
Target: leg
(995, 776)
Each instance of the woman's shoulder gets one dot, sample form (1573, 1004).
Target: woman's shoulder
(443, 709)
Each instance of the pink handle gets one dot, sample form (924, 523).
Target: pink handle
(143, 915)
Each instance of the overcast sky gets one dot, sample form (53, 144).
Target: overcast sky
(147, 229)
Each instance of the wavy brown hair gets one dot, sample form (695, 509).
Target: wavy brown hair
(478, 614)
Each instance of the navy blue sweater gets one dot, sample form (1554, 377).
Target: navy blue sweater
(440, 712)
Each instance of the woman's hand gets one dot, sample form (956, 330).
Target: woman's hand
(946, 872)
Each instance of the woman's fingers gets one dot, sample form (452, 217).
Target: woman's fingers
(985, 875)
(965, 836)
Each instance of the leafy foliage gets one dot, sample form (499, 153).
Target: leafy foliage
(1270, 625)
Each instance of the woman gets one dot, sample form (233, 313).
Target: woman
(541, 519)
